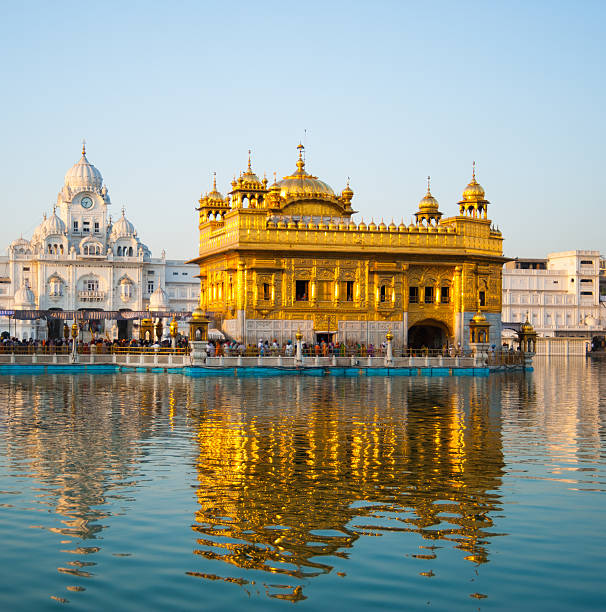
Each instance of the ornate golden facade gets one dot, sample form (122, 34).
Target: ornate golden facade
(287, 256)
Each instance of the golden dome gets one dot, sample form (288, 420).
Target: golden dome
(479, 318)
(527, 327)
(249, 178)
(347, 193)
(214, 195)
(402, 227)
(362, 226)
(372, 226)
(303, 186)
(393, 227)
(428, 203)
(474, 191)
(198, 314)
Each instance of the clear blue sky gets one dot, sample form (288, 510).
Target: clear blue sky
(389, 92)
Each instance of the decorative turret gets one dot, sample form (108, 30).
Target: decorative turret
(213, 204)
(248, 190)
(474, 203)
(428, 212)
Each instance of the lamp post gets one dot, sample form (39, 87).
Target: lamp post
(389, 350)
(173, 329)
(299, 349)
(75, 331)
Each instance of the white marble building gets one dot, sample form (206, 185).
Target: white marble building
(79, 259)
(560, 294)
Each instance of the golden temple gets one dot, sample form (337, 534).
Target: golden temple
(287, 256)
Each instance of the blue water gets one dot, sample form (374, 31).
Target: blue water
(164, 492)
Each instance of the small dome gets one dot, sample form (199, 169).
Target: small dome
(83, 175)
(402, 226)
(392, 227)
(198, 315)
(122, 228)
(527, 327)
(214, 195)
(479, 318)
(158, 300)
(53, 225)
(249, 178)
(428, 204)
(20, 243)
(25, 297)
(474, 191)
(362, 226)
(372, 226)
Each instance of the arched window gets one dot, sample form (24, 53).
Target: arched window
(61, 249)
(119, 251)
(130, 251)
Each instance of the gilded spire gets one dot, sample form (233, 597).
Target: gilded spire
(83, 147)
(249, 166)
(215, 177)
(428, 185)
(473, 171)
(301, 161)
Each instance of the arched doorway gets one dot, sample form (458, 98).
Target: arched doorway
(125, 327)
(55, 326)
(428, 333)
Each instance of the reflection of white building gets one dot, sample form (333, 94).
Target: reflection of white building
(560, 294)
(78, 259)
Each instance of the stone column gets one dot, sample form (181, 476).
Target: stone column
(389, 351)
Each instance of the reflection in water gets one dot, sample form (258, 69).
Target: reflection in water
(274, 482)
(286, 488)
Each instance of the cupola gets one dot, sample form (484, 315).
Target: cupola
(83, 175)
(428, 212)
(474, 202)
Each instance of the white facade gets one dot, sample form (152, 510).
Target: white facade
(560, 296)
(78, 259)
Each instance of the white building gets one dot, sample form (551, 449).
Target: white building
(79, 260)
(560, 294)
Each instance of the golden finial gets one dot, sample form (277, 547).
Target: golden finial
(347, 182)
(275, 178)
(249, 166)
(123, 210)
(84, 146)
(214, 181)
(473, 172)
(428, 185)
(300, 161)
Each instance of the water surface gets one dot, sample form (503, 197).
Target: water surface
(164, 492)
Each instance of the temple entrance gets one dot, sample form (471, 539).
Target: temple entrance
(55, 326)
(324, 337)
(93, 328)
(125, 327)
(429, 334)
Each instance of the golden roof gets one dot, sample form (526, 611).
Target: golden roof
(303, 186)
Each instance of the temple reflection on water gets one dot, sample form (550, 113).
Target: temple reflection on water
(288, 473)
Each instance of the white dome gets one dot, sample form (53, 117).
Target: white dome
(122, 228)
(83, 175)
(20, 243)
(25, 297)
(53, 225)
(158, 300)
